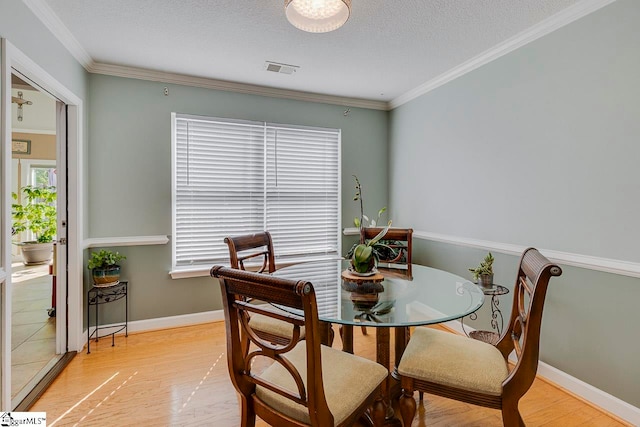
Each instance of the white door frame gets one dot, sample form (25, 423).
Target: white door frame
(13, 58)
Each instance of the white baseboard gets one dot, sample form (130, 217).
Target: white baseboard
(148, 325)
(589, 393)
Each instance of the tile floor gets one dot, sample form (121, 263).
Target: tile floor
(33, 332)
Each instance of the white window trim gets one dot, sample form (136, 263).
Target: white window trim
(178, 272)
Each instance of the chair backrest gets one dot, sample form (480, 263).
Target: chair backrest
(261, 241)
(240, 286)
(398, 239)
(523, 331)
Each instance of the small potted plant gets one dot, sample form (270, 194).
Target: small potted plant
(364, 255)
(36, 214)
(483, 273)
(104, 267)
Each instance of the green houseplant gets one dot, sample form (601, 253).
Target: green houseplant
(364, 255)
(483, 273)
(36, 214)
(104, 267)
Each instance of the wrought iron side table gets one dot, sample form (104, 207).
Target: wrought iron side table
(491, 337)
(97, 296)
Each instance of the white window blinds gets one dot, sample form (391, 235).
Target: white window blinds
(237, 177)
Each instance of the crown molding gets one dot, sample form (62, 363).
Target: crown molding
(50, 19)
(539, 30)
(185, 80)
(60, 31)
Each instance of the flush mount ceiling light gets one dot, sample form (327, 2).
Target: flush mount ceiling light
(317, 16)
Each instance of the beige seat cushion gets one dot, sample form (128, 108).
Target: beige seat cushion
(348, 380)
(260, 322)
(453, 360)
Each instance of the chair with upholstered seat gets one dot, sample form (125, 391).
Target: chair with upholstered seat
(307, 383)
(259, 246)
(398, 256)
(475, 372)
(399, 240)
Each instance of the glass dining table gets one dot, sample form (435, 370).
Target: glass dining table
(394, 299)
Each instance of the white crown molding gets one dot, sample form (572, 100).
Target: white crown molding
(607, 265)
(102, 242)
(60, 31)
(541, 29)
(207, 83)
(50, 19)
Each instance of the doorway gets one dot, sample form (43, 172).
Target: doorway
(35, 336)
(68, 263)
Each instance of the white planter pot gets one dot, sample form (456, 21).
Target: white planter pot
(36, 253)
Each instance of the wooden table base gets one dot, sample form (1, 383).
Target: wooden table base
(391, 386)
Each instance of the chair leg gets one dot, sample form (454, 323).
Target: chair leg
(378, 412)
(511, 415)
(407, 406)
(421, 395)
(247, 413)
(364, 330)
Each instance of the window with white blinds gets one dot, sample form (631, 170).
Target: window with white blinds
(235, 177)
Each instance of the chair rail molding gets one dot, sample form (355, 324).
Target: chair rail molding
(101, 242)
(607, 265)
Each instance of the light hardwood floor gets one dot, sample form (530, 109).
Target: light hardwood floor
(178, 377)
(33, 332)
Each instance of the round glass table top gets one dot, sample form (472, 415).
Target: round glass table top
(419, 296)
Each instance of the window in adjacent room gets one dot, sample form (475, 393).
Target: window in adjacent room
(234, 177)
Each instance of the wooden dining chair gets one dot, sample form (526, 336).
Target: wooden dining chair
(307, 383)
(473, 371)
(259, 247)
(399, 242)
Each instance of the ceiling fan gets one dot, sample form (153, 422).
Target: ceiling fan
(20, 101)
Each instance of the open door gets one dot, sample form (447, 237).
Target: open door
(68, 296)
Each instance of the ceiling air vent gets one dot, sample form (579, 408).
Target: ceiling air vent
(280, 68)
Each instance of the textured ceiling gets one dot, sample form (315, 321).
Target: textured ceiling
(385, 49)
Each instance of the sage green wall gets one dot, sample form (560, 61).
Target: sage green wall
(540, 147)
(129, 180)
(27, 33)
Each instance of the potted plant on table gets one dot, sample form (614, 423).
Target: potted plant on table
(364, 255)
(483, 273)
(37, 214)
(104, 267)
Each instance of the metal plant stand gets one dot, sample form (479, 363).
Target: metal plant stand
(96, 296)
(497, 319)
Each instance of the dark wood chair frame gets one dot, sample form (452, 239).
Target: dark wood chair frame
(393, 234)
(521, 335)
(404, 250)
(237, 288)
(259, 245)
(252, 241)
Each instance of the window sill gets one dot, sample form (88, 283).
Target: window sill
(203, 271)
